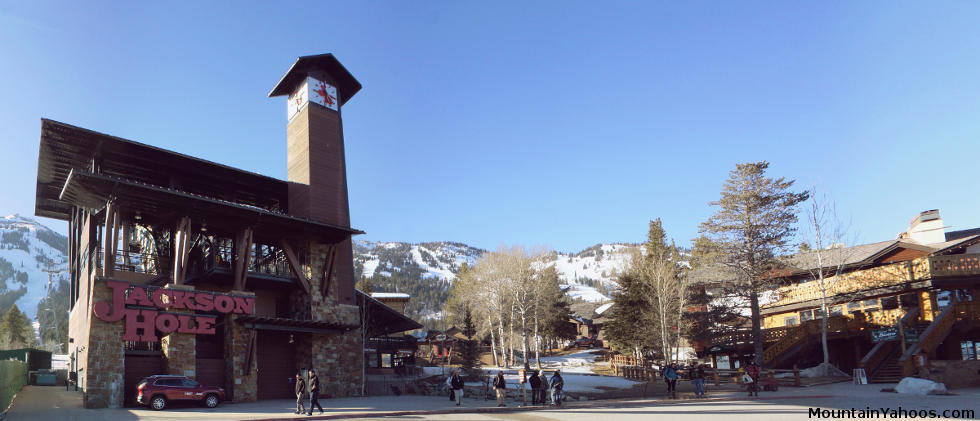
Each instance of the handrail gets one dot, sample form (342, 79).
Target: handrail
(930, 338)
(880, 353)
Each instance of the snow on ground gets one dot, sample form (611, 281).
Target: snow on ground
(580, 383)
(578, 362)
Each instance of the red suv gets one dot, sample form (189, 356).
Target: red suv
(158, 391)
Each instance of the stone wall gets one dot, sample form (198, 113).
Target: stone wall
(180, 349)
(241, 380)
(103, 359)
(956, 374)
(338, 360)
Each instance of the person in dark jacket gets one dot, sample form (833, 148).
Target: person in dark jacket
(557, 384)
(697, 380)
(500, 387)
(752, 370)
(314, 393)
(456, 383)
(543, 392)
(670, 377)
(535, 383)
(300, 391)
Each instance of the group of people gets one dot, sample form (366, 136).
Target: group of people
(301, 390)
(696, 374)
(539, 382)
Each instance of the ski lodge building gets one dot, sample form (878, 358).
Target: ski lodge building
(184, 266)
(903, 307)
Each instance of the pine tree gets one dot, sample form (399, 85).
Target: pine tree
(16, 330)
(752, 226)
(469, 349)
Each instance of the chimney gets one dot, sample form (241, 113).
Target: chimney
(317, 88)
(926, 228)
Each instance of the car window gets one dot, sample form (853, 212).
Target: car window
(189, 383)
(168, 382)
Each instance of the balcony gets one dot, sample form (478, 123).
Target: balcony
(955, 265)
(135, 266)
(266, 263)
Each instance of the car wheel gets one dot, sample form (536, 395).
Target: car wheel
(211, 400)
(158, 402)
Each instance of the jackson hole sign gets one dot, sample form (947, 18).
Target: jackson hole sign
(150, 320)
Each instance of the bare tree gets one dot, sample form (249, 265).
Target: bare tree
(827, 256)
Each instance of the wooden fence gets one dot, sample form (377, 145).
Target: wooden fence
(717, 376)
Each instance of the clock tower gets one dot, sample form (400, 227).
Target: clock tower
(317, 88)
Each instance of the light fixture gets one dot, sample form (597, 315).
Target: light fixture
(290, 338)
(204, 226)
(138, 217)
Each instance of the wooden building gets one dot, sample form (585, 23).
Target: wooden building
(896, 308)
(184, 266)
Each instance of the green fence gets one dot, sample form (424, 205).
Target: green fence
(13, 376)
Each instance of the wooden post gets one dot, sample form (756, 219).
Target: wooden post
(796, 376)
(182, 242)
(109, 240)
(717, 377)
(243, 246)
(301, 277)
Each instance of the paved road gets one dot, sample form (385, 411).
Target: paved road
(54, 403)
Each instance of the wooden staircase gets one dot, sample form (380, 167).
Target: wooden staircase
(937, 331)
(889, 371)
(882, 363)
(799, 338)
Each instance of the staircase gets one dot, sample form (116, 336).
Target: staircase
(937, 331)
(800, 337)
(889, 371)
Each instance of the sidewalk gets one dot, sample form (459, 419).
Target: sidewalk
(41, 402)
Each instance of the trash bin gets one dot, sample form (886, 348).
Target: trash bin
(44, 378)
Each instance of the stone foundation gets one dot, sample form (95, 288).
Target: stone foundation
(241, 380)
(956, 374)
(103, 358)
(180, 349)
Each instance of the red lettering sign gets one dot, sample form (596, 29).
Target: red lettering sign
(151, 321)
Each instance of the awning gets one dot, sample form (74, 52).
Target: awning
(381, 319)
(292, 325)
(91, 191)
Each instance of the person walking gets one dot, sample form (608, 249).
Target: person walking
(456, 383)
(314, 393)
(543, 391)
(500, 387)
(670, 377)
(535, 382)
(752, 372)
(449, 385)
(697, 380)
(557, 384)
(300, 392)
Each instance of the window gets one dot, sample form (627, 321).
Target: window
(790, 321)
(889, 303)
(806, 316)
(386, 360)
(372, 359)
(853, 306)
(909, 300)
(870, 305)
(836, 311)
(189, 383)
(818, 313)
(969, 349)
(169, 382)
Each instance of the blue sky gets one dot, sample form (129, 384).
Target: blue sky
(559, 124)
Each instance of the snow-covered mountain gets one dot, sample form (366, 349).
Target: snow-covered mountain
(27, 250)
(589, 273)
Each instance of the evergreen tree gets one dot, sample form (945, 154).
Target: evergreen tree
(469, 349)
(752, 226)
(364, 285)
(16, 330)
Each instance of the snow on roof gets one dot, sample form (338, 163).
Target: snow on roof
(603, 308)
(389, 295)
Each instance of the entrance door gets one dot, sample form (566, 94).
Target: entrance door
(136, 368)
(276, 363)
(210, 352)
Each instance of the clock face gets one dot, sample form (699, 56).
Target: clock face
(323, 93)
(312, 90)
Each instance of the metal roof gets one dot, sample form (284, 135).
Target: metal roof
(323, 62)
(65, 148)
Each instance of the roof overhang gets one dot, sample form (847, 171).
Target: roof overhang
(327, 63)
(157, 204)
(383, 320)
(65, 148)
(293, 325)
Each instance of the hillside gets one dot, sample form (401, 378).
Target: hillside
(27, 249)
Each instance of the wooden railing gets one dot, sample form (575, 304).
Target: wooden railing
(934, 335)
(858, 280)
(955, 265)
(884, 350)
(718, 376)
(810, 331)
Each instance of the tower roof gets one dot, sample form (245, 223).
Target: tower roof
(326, 63)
